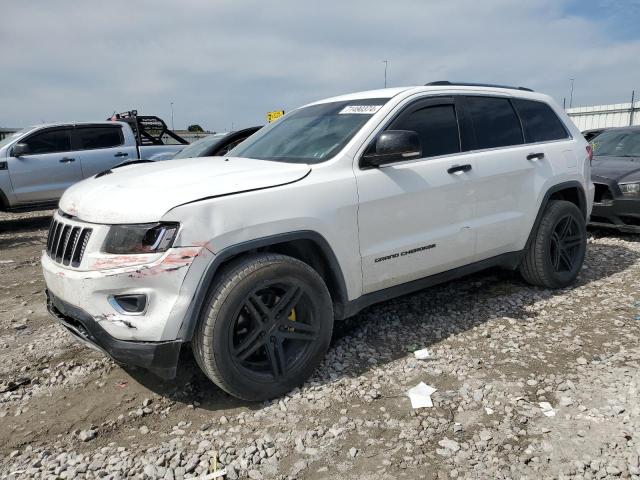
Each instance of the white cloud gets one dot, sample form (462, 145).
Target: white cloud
(228, 61)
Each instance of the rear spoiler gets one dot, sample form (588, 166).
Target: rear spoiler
(148, 129)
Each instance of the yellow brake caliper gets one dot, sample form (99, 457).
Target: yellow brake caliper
(292, 317)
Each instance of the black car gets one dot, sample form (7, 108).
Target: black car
(215, 145)
(615, 172)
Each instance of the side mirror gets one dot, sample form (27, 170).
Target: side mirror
(20, 149)
(393, 146)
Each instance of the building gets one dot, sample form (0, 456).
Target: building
(605, 116)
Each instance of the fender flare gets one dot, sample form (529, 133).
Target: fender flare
(582, 204)
(196, 306)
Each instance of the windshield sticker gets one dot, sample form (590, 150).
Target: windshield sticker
(360, 109)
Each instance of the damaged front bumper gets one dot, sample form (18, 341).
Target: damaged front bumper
(85, 300)
(160, 358)
(612, 210)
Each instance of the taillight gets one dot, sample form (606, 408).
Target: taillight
(590, 153)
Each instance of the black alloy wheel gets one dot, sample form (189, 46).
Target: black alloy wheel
(565, 244)
(266, 326)
(273, 330)
(556, 250)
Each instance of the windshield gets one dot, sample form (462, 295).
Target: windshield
(199, 147)
(311, 134)
(12, 137)
(617, 143)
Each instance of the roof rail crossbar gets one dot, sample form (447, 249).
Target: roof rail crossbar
(469, 84)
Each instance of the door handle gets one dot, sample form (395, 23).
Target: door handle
(535, 156)
(458, 169)
(121, 154)
(67, 160)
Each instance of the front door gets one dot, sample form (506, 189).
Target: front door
(415, 216)
(50, 166)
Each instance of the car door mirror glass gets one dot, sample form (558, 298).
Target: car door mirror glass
(20, 149)
(393, 146)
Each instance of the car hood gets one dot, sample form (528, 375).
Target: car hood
(145, 192)
(620, 169)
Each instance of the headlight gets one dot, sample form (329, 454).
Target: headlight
(143, 238)
(630, 189)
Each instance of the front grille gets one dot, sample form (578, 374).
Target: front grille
(66, 243)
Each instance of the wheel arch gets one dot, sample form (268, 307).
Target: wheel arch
(571, 191)
(307, 246)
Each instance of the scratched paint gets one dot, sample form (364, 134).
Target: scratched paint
(119, 261)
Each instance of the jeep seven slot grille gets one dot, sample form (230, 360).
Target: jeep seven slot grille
(66, 243)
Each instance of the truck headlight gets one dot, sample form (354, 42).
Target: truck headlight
(630, 189)
(142, 238)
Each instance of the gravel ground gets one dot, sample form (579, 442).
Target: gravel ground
(499, 349)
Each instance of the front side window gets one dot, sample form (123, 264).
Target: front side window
(494, 121)
(311, 134)
(540, 123)
(49, 141)
(436, 126)
(99, 137)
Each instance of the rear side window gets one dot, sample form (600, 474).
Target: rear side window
(99, 137)
(494, 121)
(437, 127)
(540, 122)
(50, 141)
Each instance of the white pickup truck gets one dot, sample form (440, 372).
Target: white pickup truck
(37, 164)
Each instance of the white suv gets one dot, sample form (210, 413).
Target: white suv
(338, 205)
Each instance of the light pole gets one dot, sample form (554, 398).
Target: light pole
(571, 95)
(172, 116)
(386, 64)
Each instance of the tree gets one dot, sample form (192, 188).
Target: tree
(195, 128)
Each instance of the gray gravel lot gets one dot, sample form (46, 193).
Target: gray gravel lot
(499, 348)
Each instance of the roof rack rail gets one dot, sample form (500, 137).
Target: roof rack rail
(468, 84)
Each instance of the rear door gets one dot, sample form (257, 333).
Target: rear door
(48, 169)
(519, 144)
(100, 147)
(414, 216)
(505, 179)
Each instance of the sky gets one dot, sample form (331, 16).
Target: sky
(225, 63)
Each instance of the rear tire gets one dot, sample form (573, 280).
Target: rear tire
(556, 253)
(266, 326)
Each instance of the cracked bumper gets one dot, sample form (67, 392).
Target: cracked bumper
(160, 358)
(169, 284)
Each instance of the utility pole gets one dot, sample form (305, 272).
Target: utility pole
(172, 116)
(564, 103)
(633, 99)
(386, 64)
(571, 96)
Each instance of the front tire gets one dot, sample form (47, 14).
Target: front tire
(266, 326)
(556, 253)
